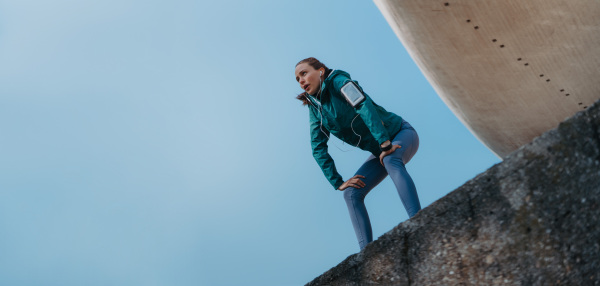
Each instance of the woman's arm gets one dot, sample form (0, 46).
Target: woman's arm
(318, 138)
(369, 115)
(367, 112)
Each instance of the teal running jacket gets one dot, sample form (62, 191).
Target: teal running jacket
(330, 113)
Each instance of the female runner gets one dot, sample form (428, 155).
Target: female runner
(391, 141)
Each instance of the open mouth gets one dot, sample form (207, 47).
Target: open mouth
(306, 87)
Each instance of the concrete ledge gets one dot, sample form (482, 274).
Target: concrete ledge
(533, 219)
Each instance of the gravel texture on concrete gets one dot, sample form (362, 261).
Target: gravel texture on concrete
(533, 219)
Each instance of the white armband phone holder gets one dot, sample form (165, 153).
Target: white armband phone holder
(352, 93)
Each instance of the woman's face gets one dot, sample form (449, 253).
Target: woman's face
(309, 78)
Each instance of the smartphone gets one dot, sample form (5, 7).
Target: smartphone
(352, 94)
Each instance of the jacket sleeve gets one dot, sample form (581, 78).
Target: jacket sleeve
(318, 141)
(367, 112)
(369, 115)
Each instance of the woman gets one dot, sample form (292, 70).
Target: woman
(366, 125)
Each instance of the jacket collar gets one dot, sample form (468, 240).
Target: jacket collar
(328, 81)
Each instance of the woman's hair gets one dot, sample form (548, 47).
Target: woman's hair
(316, 64)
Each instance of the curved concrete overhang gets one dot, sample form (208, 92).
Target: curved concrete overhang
(508, 69)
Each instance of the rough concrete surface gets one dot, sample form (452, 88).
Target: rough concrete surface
(532, 219)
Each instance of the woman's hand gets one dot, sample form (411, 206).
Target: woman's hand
(385, 153)
(354, 182)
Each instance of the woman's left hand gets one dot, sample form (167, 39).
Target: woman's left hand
(385, 153)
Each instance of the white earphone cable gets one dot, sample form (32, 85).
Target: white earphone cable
(321, 121)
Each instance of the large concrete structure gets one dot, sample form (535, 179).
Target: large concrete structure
(529, 220)
(508, 69)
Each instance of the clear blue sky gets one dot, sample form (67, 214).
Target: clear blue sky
(160, 143)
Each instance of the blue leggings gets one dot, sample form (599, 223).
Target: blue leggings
(374, 173)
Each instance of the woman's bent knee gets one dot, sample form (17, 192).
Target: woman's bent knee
(352, 195)
(394, 159)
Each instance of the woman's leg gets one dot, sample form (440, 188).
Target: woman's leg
(394, 165)
(355, 199)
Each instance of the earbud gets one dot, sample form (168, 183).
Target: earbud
(321, 73)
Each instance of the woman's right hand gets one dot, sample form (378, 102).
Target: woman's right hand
(354, 182)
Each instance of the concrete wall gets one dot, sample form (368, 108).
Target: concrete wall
(533, 219)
